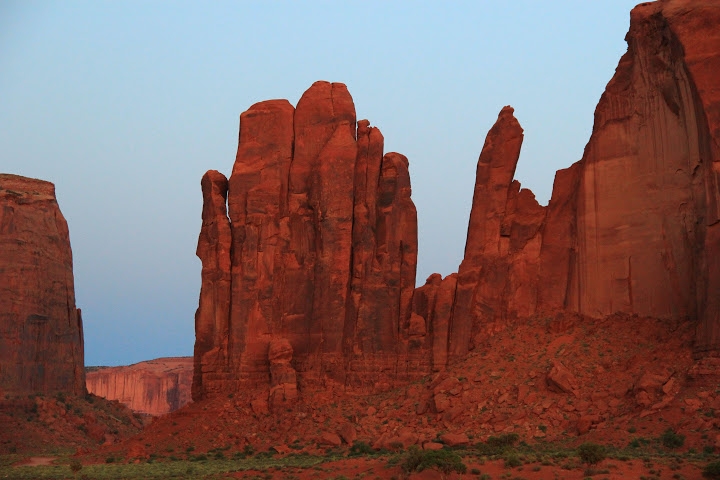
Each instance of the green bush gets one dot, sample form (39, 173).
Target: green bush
(498, 445)
(671, 439)
(512, 460)
(446, 461)
(359, 449)
(591, 453)
(712, 470)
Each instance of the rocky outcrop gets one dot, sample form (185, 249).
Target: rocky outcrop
(323, 237)
(497, 277)
(283, 378)
(631, 228)
(646, 207)
(41, 336)
(154, 387)
(318, 247)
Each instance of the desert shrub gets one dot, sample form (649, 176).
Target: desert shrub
(712, 470)
(498, 445)
(360, 448)
(504, 440)
(591, 453)
(671, 439)
(512, 460)
(75, 466)
(446, 461)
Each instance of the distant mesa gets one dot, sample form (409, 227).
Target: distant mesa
(41, 336)
(312, 241)
(154, 387)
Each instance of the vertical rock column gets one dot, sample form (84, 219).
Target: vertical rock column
(211, 369)
(323, 250)
(41, 336)
(261, 237)
(483, 272)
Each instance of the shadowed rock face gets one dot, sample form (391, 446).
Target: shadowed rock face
(155, 387)
(318, 248)
(41, 338)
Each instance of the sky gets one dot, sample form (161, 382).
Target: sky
(124, 106)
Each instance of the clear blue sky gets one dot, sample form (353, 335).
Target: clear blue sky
(124, 105)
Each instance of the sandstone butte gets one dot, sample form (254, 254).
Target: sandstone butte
(309, 249)
(154, 387)
(41, 337)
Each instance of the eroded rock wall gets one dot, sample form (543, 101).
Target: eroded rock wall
(154, 387)
(632, 227)
(41, 336)
(324, 238)
(321, 235)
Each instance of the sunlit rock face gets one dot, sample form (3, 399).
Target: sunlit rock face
(317, 247)
(154, 387)
(41, 336)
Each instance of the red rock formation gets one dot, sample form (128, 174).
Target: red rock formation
(433, 302)
(41, 337)
(497, 279)
(646, 213)
(154, 387)
(212, 316)
(283, 378)
(323, 242)
(633, 227)
(324, 236)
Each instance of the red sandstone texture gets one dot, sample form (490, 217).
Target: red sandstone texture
(319, 241)
(632, 227)
(154, 387)
(41, 337)
(317, 250)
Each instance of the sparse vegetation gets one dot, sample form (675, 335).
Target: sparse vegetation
(670, 439)
(446, 461)
(712, 471)
(75, 466)
(591, 453)
(360, 449)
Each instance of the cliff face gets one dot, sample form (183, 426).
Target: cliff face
(318, 248)
(41, 339)
(155, 387)
(632, 227)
